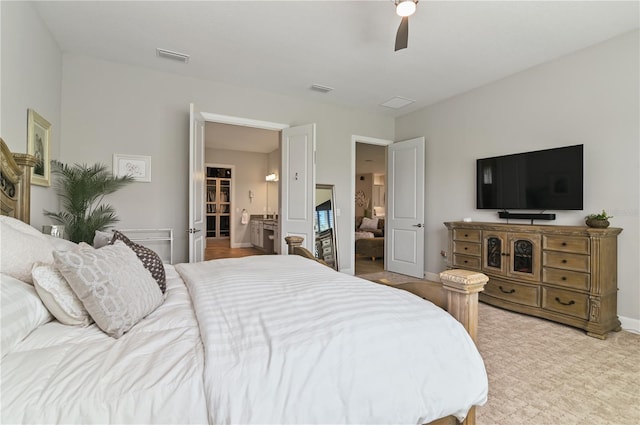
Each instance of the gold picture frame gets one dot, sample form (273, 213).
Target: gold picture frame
(39, 136)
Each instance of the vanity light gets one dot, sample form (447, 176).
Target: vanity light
(272, 177)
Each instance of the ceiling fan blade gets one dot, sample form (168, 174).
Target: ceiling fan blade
(402, 36)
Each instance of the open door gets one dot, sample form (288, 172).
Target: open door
(404, 236)
(197, 224)
(297, 184)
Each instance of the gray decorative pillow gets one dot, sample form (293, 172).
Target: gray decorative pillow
(112, 284)
(150, 260)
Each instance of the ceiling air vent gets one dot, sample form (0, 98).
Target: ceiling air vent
(320, 88)
(175, 56)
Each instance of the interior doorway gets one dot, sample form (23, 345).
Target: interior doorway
(369, 209)
(248, 194)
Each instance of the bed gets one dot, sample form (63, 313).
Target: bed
(264, 339)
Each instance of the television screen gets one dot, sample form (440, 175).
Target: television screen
(548, 179)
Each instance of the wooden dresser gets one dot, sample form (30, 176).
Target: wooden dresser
(567, 274)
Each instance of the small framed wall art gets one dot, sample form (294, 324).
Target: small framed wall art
(136, 166)
(39, 136)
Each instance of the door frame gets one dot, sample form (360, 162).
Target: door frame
(240, 121)
(352, 209)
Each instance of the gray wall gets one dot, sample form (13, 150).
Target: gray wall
(30, 79)
(112, 108)
(590, 98)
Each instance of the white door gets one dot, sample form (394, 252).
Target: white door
(404, 236)
(197, 223)
(297, 184)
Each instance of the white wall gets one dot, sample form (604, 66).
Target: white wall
(250, 170)
(112, 108)
(31, 77)
(591, 98)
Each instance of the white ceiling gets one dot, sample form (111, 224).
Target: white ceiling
(240, 138)
(285, 47)
(371, 159)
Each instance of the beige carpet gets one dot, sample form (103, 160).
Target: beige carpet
(544, 373)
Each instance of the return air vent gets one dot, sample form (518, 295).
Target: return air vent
(175, 56)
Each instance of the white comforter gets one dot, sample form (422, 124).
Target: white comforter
(69, 374)
(315, 346)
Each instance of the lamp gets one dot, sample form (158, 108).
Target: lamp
(273, 177)
(406, 7)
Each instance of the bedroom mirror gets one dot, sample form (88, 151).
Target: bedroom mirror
(325, 247)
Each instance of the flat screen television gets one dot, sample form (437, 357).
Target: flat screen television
(550, 179)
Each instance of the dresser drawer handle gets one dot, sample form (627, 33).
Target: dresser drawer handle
(564, 244)
(572, 302)
(511, 291)
(563, 278)
(466, 235)
(465, 261)
(564, 261)
(465, 248)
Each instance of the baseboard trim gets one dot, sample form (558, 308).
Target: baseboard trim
(433, 277)
(629, 324)
(240, 245)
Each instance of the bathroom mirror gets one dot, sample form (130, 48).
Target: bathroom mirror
(325, 247)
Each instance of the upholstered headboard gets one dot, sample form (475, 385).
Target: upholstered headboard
(15, 183)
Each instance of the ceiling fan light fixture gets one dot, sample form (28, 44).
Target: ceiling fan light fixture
(406, 8)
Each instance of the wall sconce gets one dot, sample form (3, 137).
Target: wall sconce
(273, 177)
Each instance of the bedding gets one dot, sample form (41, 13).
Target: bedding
(315, 346)
(80, 375)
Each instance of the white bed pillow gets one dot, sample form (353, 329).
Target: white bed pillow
(112, 284)
(21, 246)
(60, 244)
(21, 311)
(58, 297)
(369, 223)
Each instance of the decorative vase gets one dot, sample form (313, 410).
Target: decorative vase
(598, 224)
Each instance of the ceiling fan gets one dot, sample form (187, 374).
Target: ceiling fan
(404, 8)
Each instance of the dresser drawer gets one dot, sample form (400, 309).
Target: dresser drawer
(514, 292)
(567, 302)
(566, 278)
(468, 235)
(566, 261)
(576, 245)
(466, 262)
(466, 248)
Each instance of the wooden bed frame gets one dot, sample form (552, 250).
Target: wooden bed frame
(458, 293)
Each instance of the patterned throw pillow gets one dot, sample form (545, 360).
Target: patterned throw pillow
(150, 260)
(112, 284)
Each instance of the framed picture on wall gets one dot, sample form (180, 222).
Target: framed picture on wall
(136, 166)
(39, 136)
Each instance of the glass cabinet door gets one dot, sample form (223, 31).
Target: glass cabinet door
(495, 251)
(524, 250)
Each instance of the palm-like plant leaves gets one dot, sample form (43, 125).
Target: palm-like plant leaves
(81, 189)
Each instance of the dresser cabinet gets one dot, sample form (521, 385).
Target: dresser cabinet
(567, 274)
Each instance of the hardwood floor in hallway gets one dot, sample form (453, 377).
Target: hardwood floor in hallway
(365, 265)
(220, 248)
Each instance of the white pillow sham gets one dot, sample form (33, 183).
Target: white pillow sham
(21, 246)
(58, 297)
(112, 284)
(21, 312)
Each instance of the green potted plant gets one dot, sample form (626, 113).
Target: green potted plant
(81, 189)
(600, 221)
